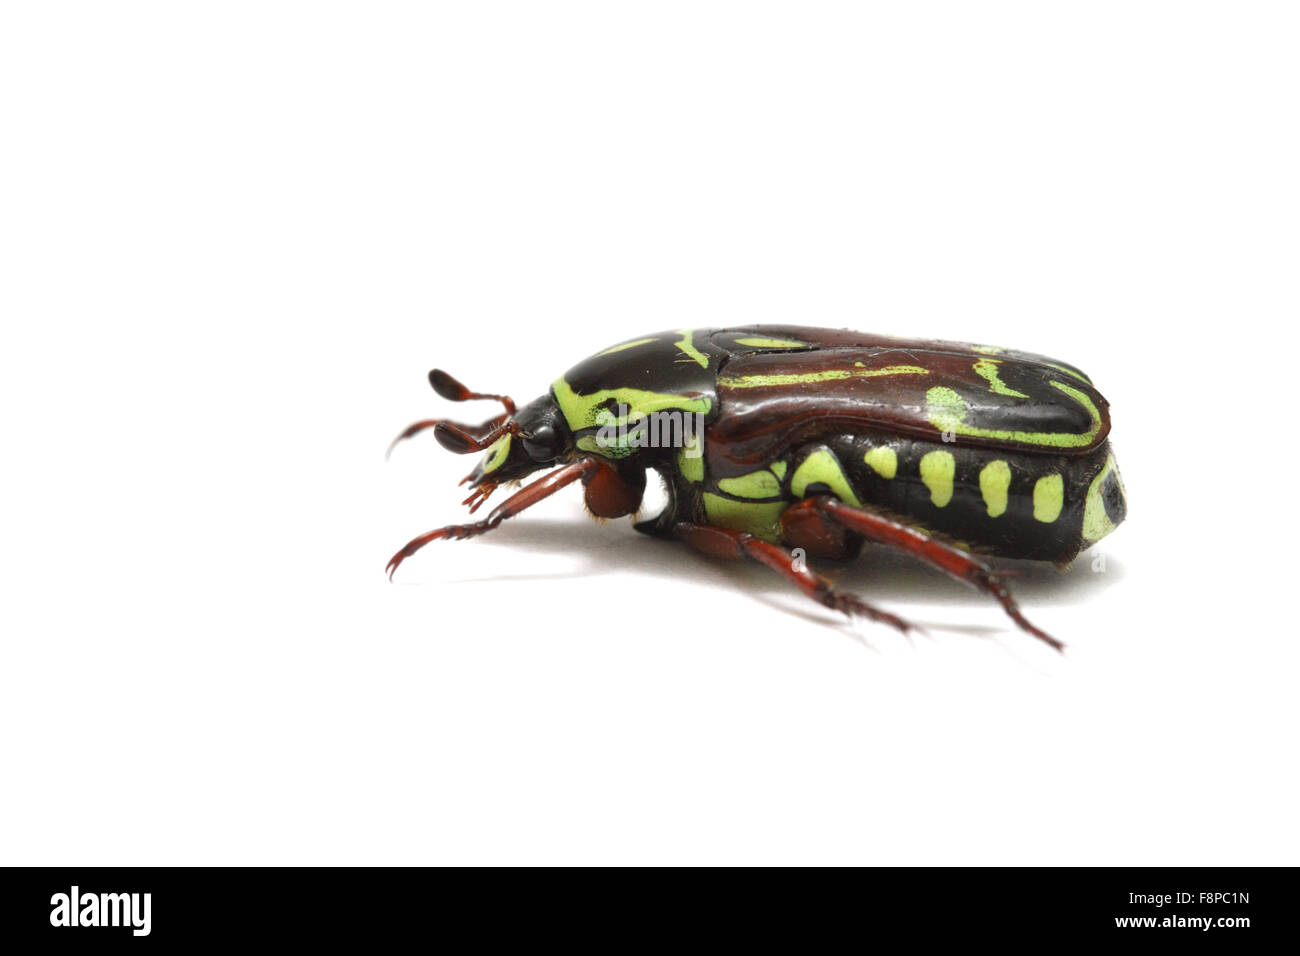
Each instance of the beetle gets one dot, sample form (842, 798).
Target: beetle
(808, 441)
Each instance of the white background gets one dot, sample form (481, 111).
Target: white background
(236, 236)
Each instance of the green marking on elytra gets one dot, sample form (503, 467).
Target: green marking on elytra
(1049, 498)
(779, 467)
(1069, 371)
(758, 518)
(947, 412)
(995, 481)
(987, 369)
(759, 342)
(810, 378)
(687, 345)
(822, 467)
(1096, 523)
(497, 453)
(756, 484)
(883, 460)
(690, 462)
(937, 471)
(988, 349)
(626, 345)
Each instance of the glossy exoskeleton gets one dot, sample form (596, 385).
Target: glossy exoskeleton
(773, 438)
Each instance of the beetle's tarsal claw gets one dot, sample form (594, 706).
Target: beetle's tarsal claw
(415, 544)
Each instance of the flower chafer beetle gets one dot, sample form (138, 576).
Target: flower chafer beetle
(773, 438)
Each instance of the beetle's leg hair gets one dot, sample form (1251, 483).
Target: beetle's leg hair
(739, 545)
(524, 498)
(937, 553)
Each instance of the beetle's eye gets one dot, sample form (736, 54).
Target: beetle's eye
(540, 443)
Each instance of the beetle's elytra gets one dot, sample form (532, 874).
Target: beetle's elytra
(772, 438)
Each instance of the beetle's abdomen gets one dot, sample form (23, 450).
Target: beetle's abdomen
(1043, 507)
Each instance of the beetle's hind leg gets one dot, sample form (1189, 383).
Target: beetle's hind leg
(739, 545)
(933, 550)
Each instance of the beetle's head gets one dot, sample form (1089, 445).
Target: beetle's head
(516, 443)
(534, 437)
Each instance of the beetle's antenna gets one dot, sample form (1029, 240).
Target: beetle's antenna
(461, 442)
(478, 431)
(453, 391)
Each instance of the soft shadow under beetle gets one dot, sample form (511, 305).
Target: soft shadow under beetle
(774, 438)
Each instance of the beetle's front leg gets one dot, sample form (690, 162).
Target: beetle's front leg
(739, 545)
(520, 500)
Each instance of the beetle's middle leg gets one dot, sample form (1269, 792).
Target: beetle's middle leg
(738, 545)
